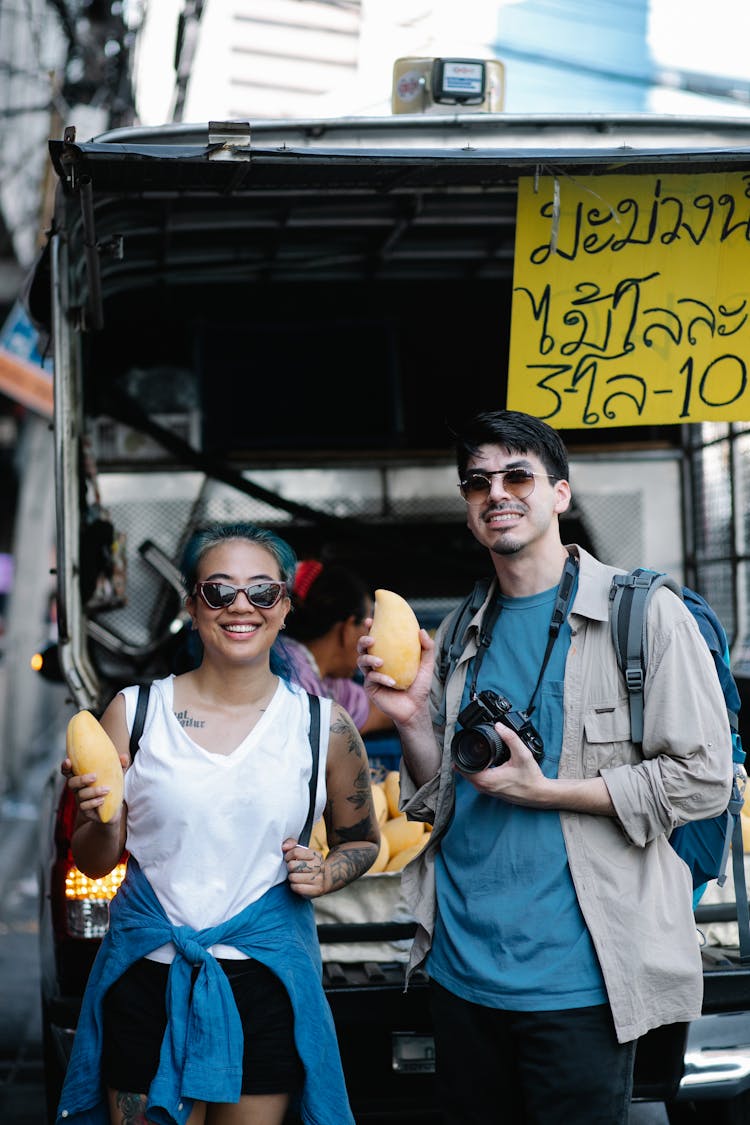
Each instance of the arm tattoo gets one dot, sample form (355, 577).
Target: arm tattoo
(345, 866)
(132, 1107)
(361, 795)
(343, 724)
(353, 832)
(184, 719)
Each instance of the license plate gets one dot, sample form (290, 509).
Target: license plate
(413, 1053)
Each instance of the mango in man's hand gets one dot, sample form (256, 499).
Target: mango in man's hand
(91, 750)
(395, 630)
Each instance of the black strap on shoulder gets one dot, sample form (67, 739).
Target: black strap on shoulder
(304, 838)
(559, 614)
(140, 718)
(484, 639)
(462, 615)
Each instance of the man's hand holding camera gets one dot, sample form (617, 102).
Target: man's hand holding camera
(480, 749)
(519, 779)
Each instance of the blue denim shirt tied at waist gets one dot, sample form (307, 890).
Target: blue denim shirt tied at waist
(201, 1058)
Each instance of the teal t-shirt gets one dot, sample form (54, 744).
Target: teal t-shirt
(509, 932)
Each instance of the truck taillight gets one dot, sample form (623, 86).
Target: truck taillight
(87, 901)
(80, 905)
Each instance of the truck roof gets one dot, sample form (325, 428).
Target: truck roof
(621, 136)
(401, 198)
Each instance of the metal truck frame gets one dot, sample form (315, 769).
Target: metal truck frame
(279, 321)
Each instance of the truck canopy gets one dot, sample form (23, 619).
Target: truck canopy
(298, 314)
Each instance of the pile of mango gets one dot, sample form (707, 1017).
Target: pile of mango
(400, 839)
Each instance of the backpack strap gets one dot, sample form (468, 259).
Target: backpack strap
(140, 718)
(451, 650)
(629, 595)
(740, 890)
(304, 837)
(734, 811)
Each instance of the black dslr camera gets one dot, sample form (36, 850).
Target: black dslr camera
(477, 746)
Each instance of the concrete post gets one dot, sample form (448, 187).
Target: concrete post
(26, 714)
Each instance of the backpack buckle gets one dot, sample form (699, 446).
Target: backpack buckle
(634, 679)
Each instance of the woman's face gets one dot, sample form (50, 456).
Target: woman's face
(351, 631)
(246, 628)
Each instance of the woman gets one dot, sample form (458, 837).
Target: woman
(214, 920)
(330, 605)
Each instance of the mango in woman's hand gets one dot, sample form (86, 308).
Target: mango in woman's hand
(91, 750)
(395, 631)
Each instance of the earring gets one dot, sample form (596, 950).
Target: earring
(283, 625)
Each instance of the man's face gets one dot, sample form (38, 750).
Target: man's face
(515, 512)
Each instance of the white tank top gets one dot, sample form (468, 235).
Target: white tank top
(207, 828)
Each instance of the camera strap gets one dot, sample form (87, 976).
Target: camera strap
(559, 613)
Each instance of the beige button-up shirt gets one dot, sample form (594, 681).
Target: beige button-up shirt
(634, 891)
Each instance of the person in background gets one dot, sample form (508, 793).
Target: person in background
(206, 995)
(330, 605)
(554, 919)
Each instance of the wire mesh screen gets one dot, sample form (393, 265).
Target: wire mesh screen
(743, 491)
(713, 501)
(615, 525)
(742, 508)
(166, 508)
(716, 582)
(155, 508)
(720, 475)
(410, 533)
(403, 526)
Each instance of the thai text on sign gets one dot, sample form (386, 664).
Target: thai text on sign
(630, 300)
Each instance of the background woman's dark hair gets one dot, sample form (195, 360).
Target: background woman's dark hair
(334, 595)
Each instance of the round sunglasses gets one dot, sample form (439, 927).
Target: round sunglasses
(220, 595)
(476, 487)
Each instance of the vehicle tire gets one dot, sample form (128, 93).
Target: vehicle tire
(731, 1111)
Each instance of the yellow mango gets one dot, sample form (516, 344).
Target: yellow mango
(398, 861)
(91, 750)
(392, 789)
(402, 833)
(319, 837)
(383, 856)
(395, 630)
(380, 802)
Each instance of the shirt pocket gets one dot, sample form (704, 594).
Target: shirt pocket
(550, 719)
(607, 740)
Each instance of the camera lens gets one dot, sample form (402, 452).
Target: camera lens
(477, 748)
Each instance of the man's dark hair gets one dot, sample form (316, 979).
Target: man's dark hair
(519, 433)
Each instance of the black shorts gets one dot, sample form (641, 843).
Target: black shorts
(135, 1017)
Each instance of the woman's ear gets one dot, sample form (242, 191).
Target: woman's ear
(342, 630)
(190, 607)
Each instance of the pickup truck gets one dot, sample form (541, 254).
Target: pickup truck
(701, 1073)
(357, 276)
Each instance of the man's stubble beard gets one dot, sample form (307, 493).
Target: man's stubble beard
(506, 547)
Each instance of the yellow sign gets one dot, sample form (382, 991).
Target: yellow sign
(631, 300)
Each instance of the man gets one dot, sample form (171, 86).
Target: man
(554, 919)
